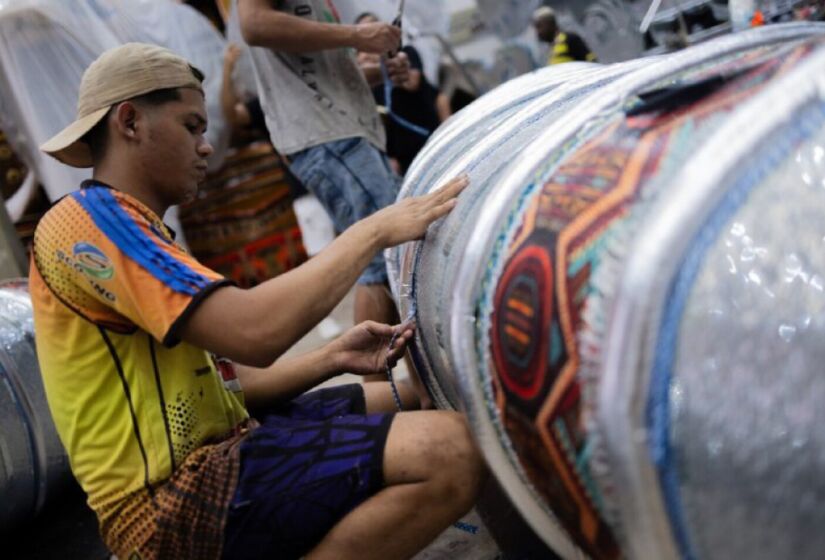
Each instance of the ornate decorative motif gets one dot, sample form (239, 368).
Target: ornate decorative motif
(540, 295)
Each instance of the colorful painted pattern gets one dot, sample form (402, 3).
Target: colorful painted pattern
(539, 299)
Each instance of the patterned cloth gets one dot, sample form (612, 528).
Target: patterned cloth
(184, 517)
(242, 224)
(108, 283)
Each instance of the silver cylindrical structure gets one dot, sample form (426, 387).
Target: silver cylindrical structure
(545, 301)
(33, 463)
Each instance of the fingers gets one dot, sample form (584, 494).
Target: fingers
(409, 219)
(397, 74)
(442, 209)
(400, 79)
(399, 64)
(402, 331)
(380, 330)
(403, 339)
(451, 189)
(394, 31)
(231, 54)
(394, 38)
(438, 204)
(407, 325)
(379, 37)
(445, 199)
(403, 334)
(398, 348)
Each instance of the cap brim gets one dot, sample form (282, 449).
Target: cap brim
(66, 145)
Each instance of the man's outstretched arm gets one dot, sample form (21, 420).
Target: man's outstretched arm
(264, 26)
(255, 326)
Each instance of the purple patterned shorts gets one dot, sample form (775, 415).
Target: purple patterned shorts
(311, 462)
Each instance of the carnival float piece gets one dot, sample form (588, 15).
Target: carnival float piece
(33, 464)
(628, 299)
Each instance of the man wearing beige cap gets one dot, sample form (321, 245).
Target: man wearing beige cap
(140, 348)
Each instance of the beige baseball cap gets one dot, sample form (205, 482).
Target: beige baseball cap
(121, 73)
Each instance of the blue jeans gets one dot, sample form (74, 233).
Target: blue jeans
(352, 179)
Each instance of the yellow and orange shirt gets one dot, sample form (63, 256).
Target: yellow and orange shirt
(150, 423)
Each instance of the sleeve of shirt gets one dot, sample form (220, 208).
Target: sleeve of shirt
(133, 267)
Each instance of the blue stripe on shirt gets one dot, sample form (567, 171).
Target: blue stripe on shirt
(127, 235)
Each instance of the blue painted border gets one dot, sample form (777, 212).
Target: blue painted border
(808, 121)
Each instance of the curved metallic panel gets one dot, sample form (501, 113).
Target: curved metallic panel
(33, 463)
(470, 324)
(701, 403)
(485, 159)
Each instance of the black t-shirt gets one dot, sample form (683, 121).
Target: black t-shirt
(257, 121)
(417, 107)
(578, 49)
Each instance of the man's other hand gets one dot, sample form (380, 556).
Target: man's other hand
(365, 348)
(409, 219)
(231, 56)
(398, 68)
(379, 38)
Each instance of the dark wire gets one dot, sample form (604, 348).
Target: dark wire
(390, 377)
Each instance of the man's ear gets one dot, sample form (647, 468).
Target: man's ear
(126, 118)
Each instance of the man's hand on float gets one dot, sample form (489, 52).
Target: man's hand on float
(409, 219)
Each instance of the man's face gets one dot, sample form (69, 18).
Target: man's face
(545, 29)
(173, 155)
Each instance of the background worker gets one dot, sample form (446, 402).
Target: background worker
(149, 359)
(566, 46)
(413, 117)
(321, 115)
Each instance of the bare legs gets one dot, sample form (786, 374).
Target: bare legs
(374, 303)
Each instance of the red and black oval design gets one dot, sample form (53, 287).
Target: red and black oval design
(522, 320)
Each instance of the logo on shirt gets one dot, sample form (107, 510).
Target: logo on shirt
(89, 261)
(92, 261)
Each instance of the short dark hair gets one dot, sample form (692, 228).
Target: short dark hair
(364, 15)
(98, 136)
